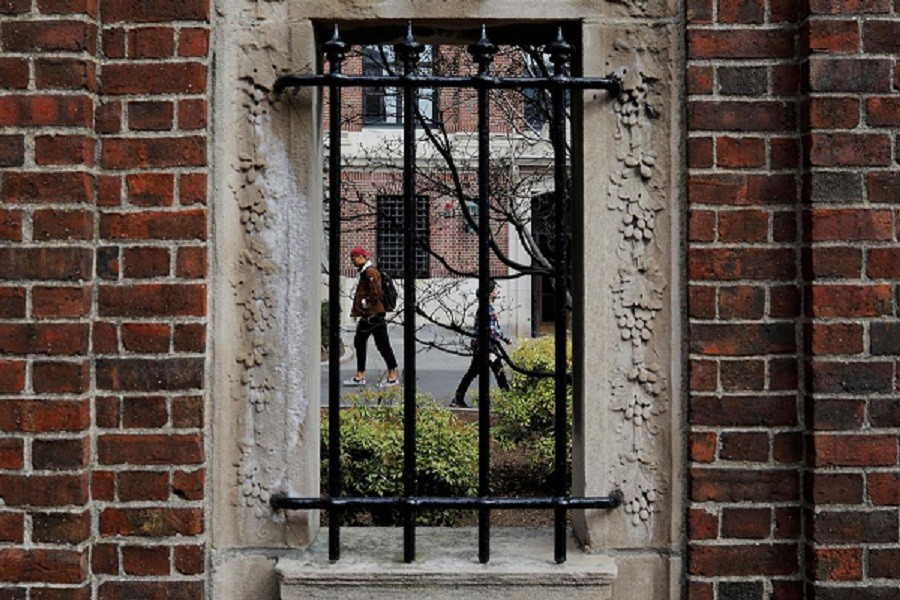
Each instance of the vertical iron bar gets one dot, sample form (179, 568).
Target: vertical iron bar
(409, 51)
(559, 52)
(483, 52)
(334, 50)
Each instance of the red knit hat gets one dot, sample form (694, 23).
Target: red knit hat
(359, 251)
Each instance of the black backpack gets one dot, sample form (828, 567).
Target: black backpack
(388, 292)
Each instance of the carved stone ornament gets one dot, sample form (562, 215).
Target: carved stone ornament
(639, 393)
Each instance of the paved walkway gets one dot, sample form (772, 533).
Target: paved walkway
(438, 372)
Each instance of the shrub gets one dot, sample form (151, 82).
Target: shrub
(526, 412)
(372, 455)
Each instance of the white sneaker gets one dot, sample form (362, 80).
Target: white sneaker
(354, 382)
(389, 383)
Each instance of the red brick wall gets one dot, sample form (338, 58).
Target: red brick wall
(793, 264)
(103, 224)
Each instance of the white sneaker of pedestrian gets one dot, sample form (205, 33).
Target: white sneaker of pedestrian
(354, 382)
(389, 383)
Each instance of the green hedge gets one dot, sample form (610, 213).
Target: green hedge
(372, 455)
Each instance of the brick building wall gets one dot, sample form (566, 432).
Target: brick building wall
(793, 263)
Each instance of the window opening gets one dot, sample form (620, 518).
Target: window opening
(384, 105)
(410, 81)
(389, 232)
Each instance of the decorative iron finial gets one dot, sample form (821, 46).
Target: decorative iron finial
(335, 50)
(409, 50)
(560, 52)
(483, 51)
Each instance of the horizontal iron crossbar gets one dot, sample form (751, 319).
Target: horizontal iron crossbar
(438, 502)
(417, 81)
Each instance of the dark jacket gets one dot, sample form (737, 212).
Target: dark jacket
(367, 301)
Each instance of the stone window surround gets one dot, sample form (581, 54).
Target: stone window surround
(264, 434)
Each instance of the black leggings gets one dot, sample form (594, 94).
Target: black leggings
(377, 328)
(496, 366)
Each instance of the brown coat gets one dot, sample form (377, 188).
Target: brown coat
(367, 301)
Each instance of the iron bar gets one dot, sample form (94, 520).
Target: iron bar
(335, 52)
(409, 51)
(610, 84)
(483, 52)
(560, 52)
(446, 502)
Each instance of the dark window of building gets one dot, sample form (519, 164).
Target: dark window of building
(384, 106)
(390, 253)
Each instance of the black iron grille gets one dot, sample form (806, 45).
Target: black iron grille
(410, 81)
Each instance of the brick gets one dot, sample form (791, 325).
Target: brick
(884, 563)
(787, 448)
(742, 81)
(829, 36)
(150, 189)
(104, 559)
(704, 375)
(183, 225)
(702, 226)
(191, 262)
(114, 43)
(833, 187)
(43, 490)
(834, 488)
(60, 455)
(786, 589)
(14, 7)
(190, 337)
(38, 338)
(153, 78)
(740, 590)
(849, 301)
(12, 376)
(64, 150)
(743, 226)
(55, 224)
(837, 564)
(837, 338)
(153, 11)
(742, 190)
(142, 485)
(744, 411)
(67, 593)
(52, 35)
(743, 560)
(151, 42)
(849, 7)
(108, 118)
(742, 340)
(151, 590)
(44, 188)
(883, 111)
(192, 189)
(108, 262)
(884, 412)
(700, 152)
(146, 337)
(884, 263)
(153, 300)
(884, 488)
(140, 375)
(741, 11)
(12, 303)
(192, 114)
(783, 374)
(108, 411)
(61, 302)
(699, 80)
(881, 36)
(885, 338)
(847, 527)
(832, 262)
(68, 7)
(854, 450)
(12, 527)
(10, 228)
(703, 447)
(740, 43)
(187, 413)
(744, 263)
(753, 447)
(61, 528)
(757, 116)
(12, 455)
(849, 75)
(193, 42)
(14, 72)
(60, 377)
(870, 592)
(832, 113)
(103, 485)
(832, 414)
(702, 525)
(41, 416)
(188, 485)
(141, 560)
(850, 150)
(119, 153)
(144, 412)
(743, 485)
(850, 377)
(65, 74)
(698, 590)
(190, 560)
(12, 150)
(151, 522)
(743, 375)
(144, 262)
(150, 449)
(740, 153)
(702, 302)
(151, 116)
(746, 523)
(45, 566)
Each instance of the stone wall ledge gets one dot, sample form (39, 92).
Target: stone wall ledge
(446, 566)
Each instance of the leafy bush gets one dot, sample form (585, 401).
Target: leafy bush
(372, 455)
(526, 412)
